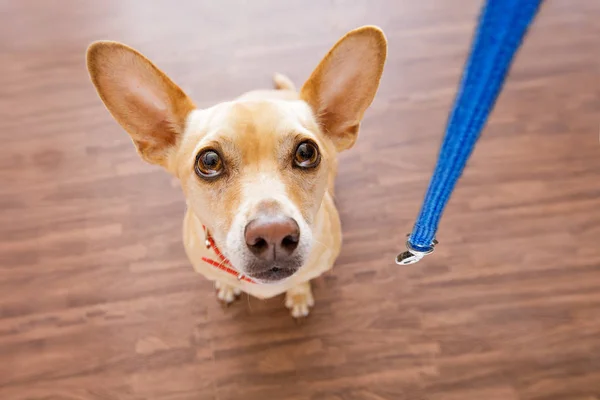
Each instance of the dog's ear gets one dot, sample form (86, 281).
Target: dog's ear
(344, 84)
(143, 100)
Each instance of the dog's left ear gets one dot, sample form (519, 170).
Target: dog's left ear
(344, 84)
(143, 100)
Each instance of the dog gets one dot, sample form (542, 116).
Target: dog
(257, 172)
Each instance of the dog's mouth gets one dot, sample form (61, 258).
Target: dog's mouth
(272, 275)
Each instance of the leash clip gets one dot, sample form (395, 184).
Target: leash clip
(412, 256)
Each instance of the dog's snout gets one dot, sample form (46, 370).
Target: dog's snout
(272, 238)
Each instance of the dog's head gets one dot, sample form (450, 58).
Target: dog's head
(253, 171)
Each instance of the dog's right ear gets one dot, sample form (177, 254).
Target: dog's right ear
(343, 85)
(143, 100)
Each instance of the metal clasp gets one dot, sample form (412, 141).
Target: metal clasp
(412, 256)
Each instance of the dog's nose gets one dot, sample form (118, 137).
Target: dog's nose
(272, 237)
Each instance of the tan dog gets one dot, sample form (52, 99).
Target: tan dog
(257, 172)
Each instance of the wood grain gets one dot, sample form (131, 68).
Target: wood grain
(98, 301)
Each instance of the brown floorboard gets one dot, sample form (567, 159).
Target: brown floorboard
(98, 301)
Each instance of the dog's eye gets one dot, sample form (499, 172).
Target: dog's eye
(307, 155)
(208, 164)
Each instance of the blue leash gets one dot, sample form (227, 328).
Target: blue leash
(502, 26)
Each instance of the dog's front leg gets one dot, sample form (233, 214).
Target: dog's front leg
(299, 299)
(226, 293)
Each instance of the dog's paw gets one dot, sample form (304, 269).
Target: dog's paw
(299, 300)
(225, 293)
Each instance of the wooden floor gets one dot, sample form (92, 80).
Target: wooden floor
(98, 301)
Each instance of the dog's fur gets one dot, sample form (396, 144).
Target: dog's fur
(256, 136)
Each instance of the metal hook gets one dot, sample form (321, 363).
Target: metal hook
(412, 256)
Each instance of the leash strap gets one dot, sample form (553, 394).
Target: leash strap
(502, 26)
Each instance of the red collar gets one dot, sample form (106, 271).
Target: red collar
(224, 265)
